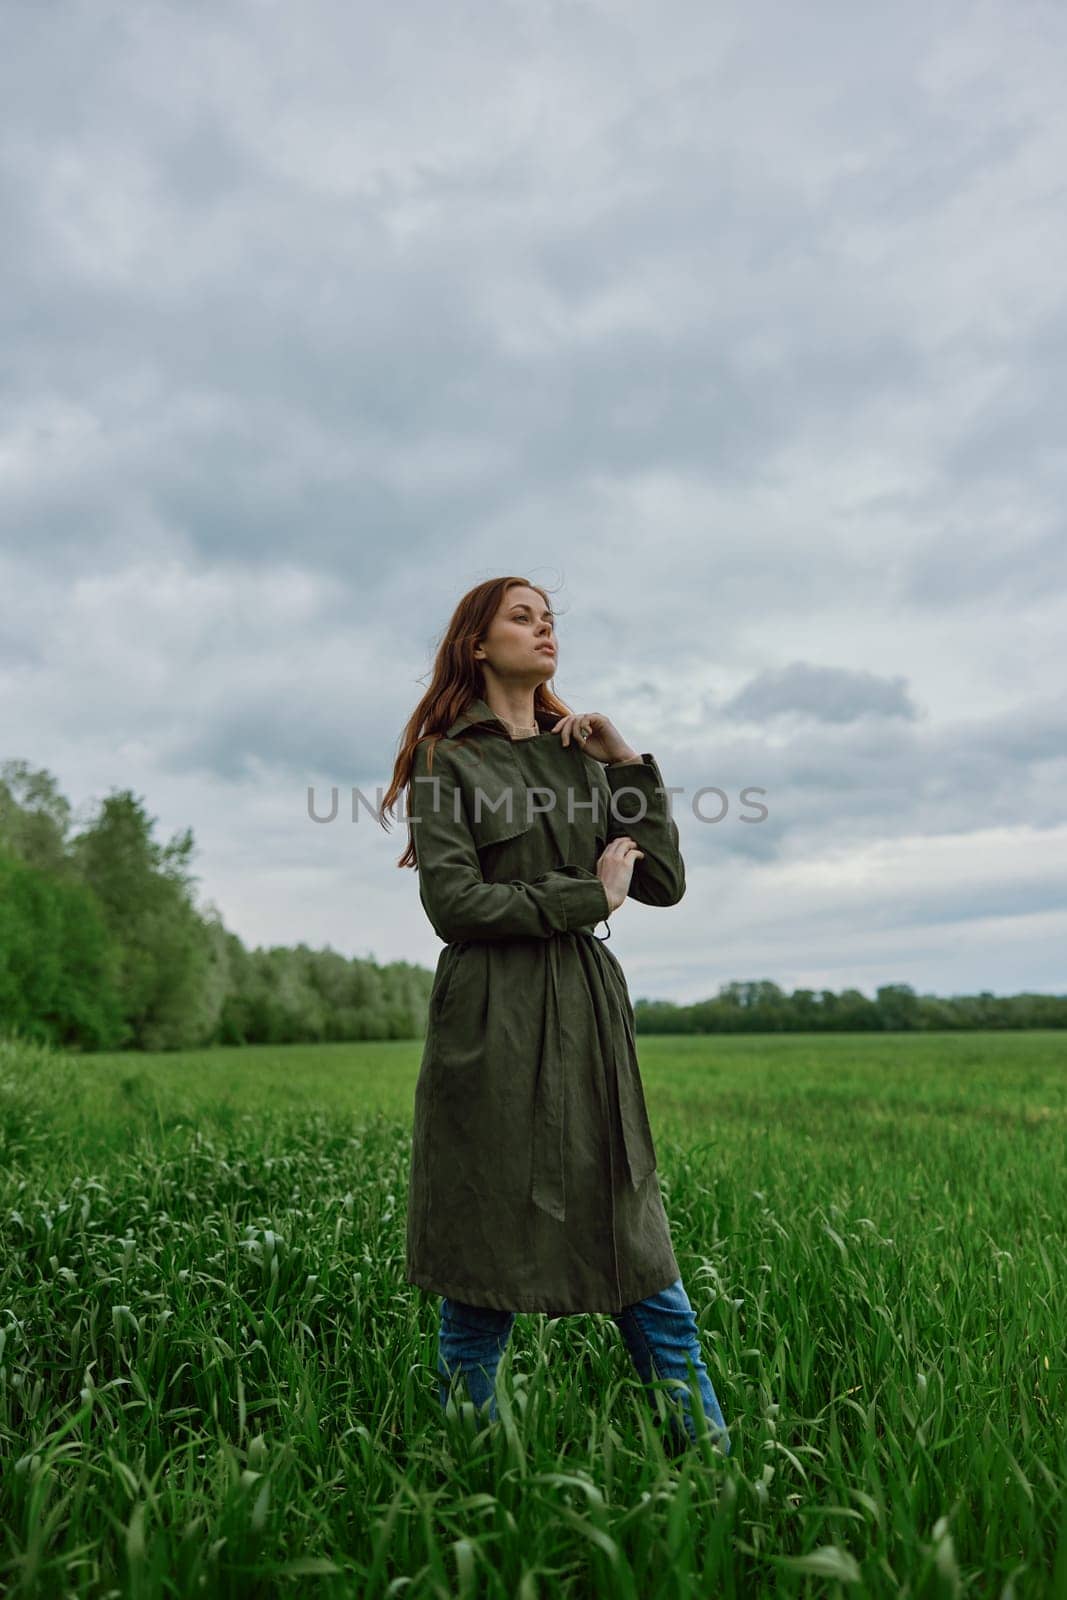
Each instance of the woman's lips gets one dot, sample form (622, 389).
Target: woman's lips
(548, 649)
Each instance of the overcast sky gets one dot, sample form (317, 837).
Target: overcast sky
(741, 328)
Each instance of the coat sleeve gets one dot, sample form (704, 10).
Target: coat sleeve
(659, 879)
(455, 896)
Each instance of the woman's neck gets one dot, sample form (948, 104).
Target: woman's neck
(515, 711)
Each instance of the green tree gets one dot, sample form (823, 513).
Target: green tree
(58, 965)
(145, 892)
(34, 817)
(898, 1005)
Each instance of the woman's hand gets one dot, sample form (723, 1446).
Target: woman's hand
(597, 735)
(615, 868)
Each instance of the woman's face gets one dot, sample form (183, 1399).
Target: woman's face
(523, 625)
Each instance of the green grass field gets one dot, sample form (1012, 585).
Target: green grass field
(214, 1379)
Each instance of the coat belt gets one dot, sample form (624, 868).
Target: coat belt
(547, 1189)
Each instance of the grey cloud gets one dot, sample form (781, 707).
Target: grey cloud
(883, 778)
(827, 694)
(326, 328)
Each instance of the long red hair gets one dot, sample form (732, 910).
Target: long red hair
(457, 680)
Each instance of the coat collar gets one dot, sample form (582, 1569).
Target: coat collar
(478, 712)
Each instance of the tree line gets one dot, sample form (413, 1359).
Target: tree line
(762, 1007)
(103, 947)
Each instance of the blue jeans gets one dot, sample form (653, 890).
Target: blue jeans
(660, 1333)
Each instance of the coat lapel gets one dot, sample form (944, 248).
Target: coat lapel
(478, 711)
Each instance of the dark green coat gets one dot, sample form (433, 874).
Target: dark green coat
(533, 1184)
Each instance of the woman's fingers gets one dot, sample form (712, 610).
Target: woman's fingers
(624, 843)
(576, 724)
(618, 859)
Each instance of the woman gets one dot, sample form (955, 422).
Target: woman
(533, 1184)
